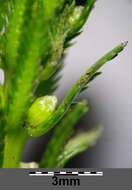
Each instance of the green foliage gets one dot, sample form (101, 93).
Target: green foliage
(77, 87)
(78, 144)
(62, 132)
(34, 37)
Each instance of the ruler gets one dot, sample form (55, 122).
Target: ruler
(66, 173)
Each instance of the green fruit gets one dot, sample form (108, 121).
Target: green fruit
(41, 110)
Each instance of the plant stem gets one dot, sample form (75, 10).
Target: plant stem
(14, 143)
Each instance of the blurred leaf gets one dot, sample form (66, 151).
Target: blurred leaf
(78, 144)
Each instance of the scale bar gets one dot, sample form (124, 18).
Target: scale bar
(41, 174)
(64, 173)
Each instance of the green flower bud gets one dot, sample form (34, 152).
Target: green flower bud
(41, 110)
(75, 15)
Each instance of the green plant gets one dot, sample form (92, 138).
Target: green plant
(34, 37)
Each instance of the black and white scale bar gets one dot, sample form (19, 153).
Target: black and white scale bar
(66, 173)
(90, 174)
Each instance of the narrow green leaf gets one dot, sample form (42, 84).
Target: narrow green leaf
(78, 144)
(50, 85)
(77, 87)
(72, 37)
(95, 75)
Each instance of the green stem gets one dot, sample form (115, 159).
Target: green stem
(16, 23)
(14, 143)
(19, 88)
